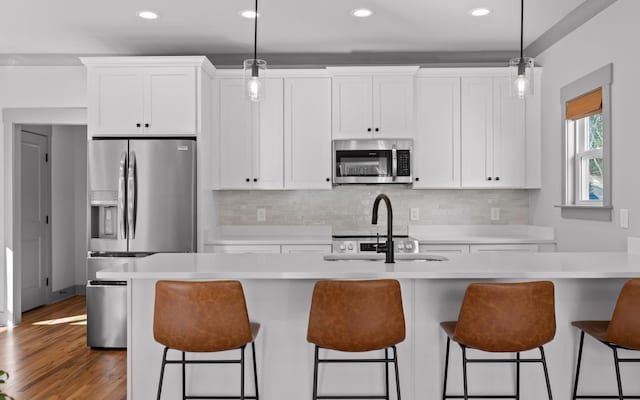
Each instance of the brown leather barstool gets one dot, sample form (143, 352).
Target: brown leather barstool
(357, 316)
(502, 317)
(622, 332)
(203, 317)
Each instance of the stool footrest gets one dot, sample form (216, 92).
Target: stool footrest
(221, 397)
(478, 396)
(203, 361)
(352, 360)
(352, 397)
(593, 396)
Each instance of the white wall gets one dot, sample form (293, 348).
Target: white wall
(610, 37)
(23, 87)
(68, 206)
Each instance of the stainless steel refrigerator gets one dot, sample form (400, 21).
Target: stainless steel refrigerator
(142, 201)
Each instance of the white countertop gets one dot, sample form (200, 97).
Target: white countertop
(482, 234)
(270, 235)
(312, 266)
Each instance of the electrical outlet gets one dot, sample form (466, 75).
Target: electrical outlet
(624, 218)
(495, 214)
(261, 214)
(415, 214)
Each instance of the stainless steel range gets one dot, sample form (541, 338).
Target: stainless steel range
(354, 244)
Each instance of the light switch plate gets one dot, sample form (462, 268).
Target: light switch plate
(415, 214)
(495, 214)
(624, 218)
(261, 214)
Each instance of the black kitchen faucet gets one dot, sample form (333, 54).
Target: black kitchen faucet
(374, 220)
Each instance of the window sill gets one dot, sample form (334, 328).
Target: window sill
(580, 211)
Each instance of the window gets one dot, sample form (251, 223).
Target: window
(587, 162)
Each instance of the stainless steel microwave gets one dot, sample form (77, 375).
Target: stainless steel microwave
(372, 161)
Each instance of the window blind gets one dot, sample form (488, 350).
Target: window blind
(585, 105)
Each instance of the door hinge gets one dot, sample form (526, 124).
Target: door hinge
(46, 157)
(47, 281)
(46, 219)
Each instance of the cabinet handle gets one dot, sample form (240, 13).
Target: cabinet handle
(497, 178)
(255, 179)
(328, 179)
(417, 179)
(377, 129)
(368, 129)
(138, 125)
(489, 178)
(146, 125)
(248, 180)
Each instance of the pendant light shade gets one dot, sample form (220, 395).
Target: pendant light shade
(254, 69)
(521, 68)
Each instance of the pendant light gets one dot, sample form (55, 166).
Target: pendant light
(254, 69)
(521, 68)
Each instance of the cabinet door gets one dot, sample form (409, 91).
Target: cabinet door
(509, 248)
(306, 249)
(116, 101)
(477, 131)
(245, 249)
(307, 133)
(436, 158)
(509, 158)
(170, 101)
(352, 107)
(236, 130)
(393, 106)
(268, 165)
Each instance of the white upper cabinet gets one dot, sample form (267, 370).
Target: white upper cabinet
(146, 95)
(372, 102)
(493, 134)
(307, 133)
(436, 154)
(248, 136)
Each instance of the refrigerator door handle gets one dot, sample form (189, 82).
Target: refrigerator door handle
(122, 234)
(131, 196)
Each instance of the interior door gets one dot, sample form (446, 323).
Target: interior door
(161, 195)
(35, 203)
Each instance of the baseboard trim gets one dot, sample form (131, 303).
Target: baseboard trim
(66, 293)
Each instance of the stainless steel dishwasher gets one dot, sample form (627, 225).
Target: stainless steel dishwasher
(107, 302)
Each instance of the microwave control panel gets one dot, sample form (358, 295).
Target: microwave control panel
(404, 163)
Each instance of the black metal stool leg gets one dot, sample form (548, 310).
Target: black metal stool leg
(242, 372)
(395, 361)
(464, 371)
(255, 368)
(575, 383)
(315, 375)
(184, 377)
(615, 359)
(446, 369)
(386, 373)
(164, 362)
(546, 373)
(518, 376)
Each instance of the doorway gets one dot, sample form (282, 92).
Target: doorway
(35, 194)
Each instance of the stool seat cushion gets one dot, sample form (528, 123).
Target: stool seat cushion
(597, 329)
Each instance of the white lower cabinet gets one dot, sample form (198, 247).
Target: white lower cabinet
(306, 248)
(269, 249)
(243, 249)
(510, 248)
(444, 249)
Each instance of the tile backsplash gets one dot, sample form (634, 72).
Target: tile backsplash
(348, 208)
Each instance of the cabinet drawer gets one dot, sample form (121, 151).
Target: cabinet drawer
(306, 248)
(244, 249)
(482, 248)
(444, 248)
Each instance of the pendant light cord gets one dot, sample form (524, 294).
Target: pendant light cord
(521, 28)
(255, 34)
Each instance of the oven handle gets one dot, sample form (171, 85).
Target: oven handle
(394, 162)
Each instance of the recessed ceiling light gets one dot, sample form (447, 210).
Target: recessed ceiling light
(249, 14)
(146, 14)
(361, 12)
(480, 12)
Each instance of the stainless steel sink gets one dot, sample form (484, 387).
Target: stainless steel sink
(381, 257)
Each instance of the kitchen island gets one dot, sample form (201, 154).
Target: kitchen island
(278, 290)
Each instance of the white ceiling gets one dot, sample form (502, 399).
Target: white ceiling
(286, 26)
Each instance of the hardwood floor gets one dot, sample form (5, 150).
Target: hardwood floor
(47, 357)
